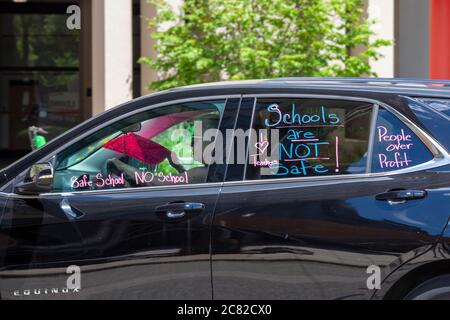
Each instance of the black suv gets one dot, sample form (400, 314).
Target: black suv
(295, 188)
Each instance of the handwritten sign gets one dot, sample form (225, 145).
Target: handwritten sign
(149, 177)
(396, 147)
(261, 147)
(304, 149)
(100, 181)
(297, 119)
(141, 178)
(308, 137)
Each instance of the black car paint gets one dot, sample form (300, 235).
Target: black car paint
(269, 240)
(322, 240)
(124, 250)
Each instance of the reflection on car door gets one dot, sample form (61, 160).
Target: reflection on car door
(135, 243)
(315, 238)
(291, 240)
(125, 250)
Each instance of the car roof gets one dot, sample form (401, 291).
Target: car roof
(406, 86)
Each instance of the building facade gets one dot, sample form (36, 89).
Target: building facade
(55, 73)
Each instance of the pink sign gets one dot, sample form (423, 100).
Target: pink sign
(393, 158)
(141, 178)
(100, 182)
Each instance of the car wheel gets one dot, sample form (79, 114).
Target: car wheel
(437, 288)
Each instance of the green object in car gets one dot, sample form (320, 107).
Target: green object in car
(39, 141)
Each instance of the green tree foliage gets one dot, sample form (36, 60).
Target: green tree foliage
(212, 40)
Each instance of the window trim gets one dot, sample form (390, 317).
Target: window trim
(247, 151)
(441, 157)
(370, 146)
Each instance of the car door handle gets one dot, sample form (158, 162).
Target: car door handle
(71, 212)
(177, 211)
(401, 196)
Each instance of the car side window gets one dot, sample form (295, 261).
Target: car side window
(308, 137)
(153, 148)
(395, 145)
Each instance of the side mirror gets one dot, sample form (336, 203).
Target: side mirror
(39, 179)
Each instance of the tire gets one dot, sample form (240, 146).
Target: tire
(437, 288)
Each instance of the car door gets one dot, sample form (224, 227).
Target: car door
(129, 213)
(334, 191)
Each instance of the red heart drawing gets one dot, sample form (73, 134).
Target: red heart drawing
(262, 146)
